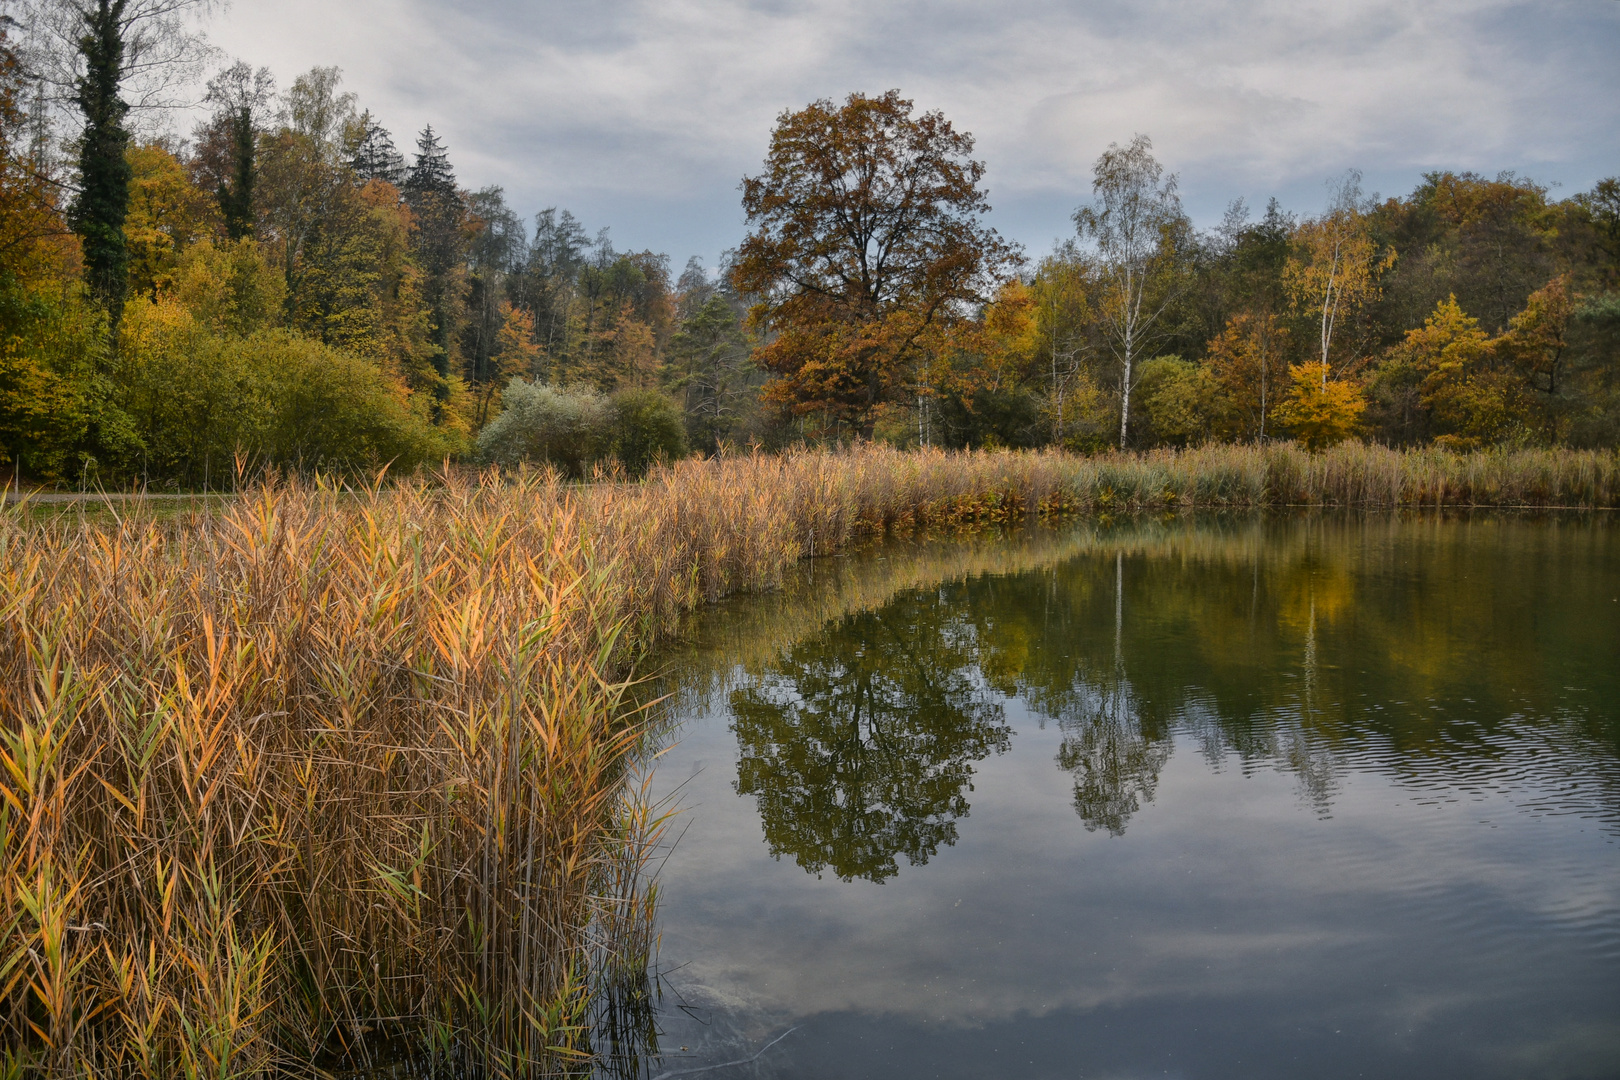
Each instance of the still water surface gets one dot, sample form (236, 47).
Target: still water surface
(1214, 798)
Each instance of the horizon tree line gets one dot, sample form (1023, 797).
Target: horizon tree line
(286, 287)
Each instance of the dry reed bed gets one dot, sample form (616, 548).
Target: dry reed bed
(318, 771)
(324, 768)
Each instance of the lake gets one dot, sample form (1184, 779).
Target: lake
(1210, 797)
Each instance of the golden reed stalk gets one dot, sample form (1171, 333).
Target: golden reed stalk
(327, 773)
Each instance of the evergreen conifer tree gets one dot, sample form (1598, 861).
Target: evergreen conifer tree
(431, 175)
(440, 241)
(374, 156)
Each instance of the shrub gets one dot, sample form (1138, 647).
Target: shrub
(570, 428)
(198, 399)
(648, 427)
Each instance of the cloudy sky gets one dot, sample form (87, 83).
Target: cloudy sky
(643, 114)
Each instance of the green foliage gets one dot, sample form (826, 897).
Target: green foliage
(104, 171)
(299, 266)
(1178, 399)
(56, 420)
(993, 417)
(231, 287)
(1596, 342)
(199, 399)
(647, 428)
(713, 371)
(571, 428)
(236, 196)
(859, 743)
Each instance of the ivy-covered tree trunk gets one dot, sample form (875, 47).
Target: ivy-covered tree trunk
(104, 171)
(236, 199)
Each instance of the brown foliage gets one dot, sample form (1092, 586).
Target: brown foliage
(866, 241)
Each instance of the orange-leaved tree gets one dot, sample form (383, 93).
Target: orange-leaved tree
(1249, 360)
(866, 248)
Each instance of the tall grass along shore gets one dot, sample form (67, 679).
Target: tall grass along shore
(323, 774)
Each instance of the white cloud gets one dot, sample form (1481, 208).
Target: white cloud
(645, 114)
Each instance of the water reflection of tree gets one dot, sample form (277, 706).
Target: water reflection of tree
(1305, 645)
(1112, 741)
(1115, 758)
(859, 743)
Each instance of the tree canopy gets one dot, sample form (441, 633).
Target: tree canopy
(866, 245)
(283, 288)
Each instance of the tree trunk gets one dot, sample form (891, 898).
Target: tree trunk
(1125, 401)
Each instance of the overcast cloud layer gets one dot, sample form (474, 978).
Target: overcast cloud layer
(644, 114)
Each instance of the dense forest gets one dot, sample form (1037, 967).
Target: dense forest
(285, 287)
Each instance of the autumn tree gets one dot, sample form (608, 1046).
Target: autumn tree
(1601, 208)
(624, 315)
(1319, 412)
(1137, 226)
(496, 252)
(1335, 269)
(1467, 393)
(1538, 341)
(1489, 242)
(51, 385)
(1249, 362)
(1064, 321)
(558, 249)
(302, 173)
(98, 54)
(167, 214)
(866, 242)
(987, 377)
(344, 243)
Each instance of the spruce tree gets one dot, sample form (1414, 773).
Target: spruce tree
(431, 175)
(104, 172)
(374, 156)
(440, 241)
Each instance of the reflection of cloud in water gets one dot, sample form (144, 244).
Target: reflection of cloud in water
(1358, 668)
(1029, 914)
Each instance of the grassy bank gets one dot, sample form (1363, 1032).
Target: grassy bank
(320, 771)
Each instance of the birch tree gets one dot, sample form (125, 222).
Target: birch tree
(1137, 226)
(1335, 270)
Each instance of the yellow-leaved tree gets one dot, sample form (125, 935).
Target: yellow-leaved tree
(1335, 269)
(1248, 362)
(1469, 396)
(167, 214)
(1319, 412)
